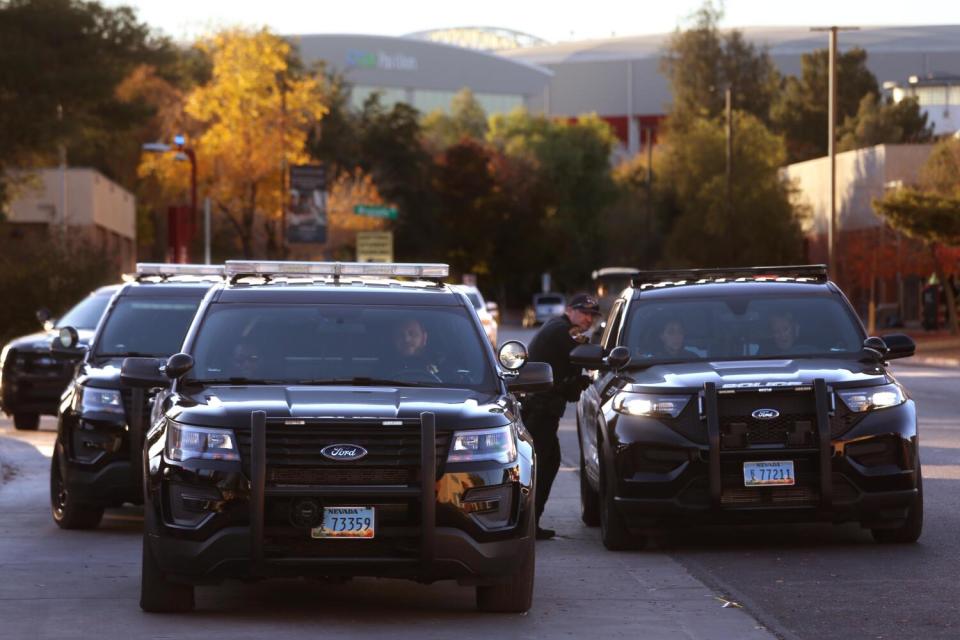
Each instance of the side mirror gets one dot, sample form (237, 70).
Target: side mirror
(512, 355)
(143, 372)
(533, 378)
(67, 342)
(874, 348)
(899, 346)
(588, 356)
(618, 358)
(178, 365)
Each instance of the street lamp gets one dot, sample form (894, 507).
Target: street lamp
(183, 152)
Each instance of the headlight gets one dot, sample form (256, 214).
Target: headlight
(93, 400)
(498, 444)
(643, 404)
(860, 400)
(202, 443)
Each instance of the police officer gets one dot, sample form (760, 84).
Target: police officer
(542, 411)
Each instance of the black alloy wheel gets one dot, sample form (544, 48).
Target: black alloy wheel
(66, 512)
(613, 530)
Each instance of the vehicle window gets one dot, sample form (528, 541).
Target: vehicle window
(325, 343)
(741, 327)
(549, 300)
(475, 300)
(146, 327)
(86, 313)
(613, 325)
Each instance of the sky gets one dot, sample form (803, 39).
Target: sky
(554, 20)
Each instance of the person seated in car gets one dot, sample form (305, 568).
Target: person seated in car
(672, 337)
(784, 335)
(410, 340)
(245, 360)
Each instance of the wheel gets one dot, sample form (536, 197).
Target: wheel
(67, 513)
(515, 596)
(613, 530)
(589, 498)
(911, 529)
(159, 595)
(26, 421)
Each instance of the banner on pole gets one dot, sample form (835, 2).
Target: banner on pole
(306, 215)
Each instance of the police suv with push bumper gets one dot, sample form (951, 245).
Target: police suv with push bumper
(745, 395)
(101, 420)
(332, 420)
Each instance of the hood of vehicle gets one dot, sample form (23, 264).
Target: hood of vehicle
(231, 406)
(41, 340)
(751, 373)
(104, 374)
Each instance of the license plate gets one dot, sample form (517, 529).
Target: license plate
(346, 522)
(765, 474)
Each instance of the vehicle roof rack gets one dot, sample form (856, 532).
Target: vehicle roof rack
(165, 271)
(815, 273)
(272, 269)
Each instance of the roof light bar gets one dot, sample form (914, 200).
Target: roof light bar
(277, 268)
(812, 273)
(166, 270)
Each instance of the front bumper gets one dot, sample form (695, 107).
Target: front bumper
(867, 474)
(211, 520)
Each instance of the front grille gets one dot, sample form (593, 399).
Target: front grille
(294, 456)
(42, 363)
(770, 496)
(794, 427)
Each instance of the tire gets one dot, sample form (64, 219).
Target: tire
(515, 596)
(159, 595)
(26, 421)
(909, 532)
(613, 530)
(589, 498)
(67, 513)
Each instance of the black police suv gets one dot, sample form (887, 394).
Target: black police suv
(31, 377)
(100, 425)
(332, 420)
(749, 395)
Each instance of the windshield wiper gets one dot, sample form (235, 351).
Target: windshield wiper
(360, 381)
(237, 380)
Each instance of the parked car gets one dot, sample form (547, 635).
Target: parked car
(31, 377)
(544, 307)
(312, 430)
(483, 309)
(745, 396)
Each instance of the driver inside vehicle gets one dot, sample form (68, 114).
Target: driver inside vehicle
(410, 341)
(245, 360)
(784, 334)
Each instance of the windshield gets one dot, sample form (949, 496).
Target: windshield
(328, 344)
(153, 327)
(737, 328)
(86, 313)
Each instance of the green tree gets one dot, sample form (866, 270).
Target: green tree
(466, 119)
(879, 122)
(701, 63)
(932, 218)
(756, 225)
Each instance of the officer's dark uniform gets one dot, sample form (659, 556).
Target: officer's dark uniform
(542, 411)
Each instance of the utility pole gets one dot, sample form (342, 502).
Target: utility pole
(728, 97)
(831, 144)
(63, 176)
(649, 185)
(206, 230)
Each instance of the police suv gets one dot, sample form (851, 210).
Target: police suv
(101, 420)
(745, 395)
(335, 420)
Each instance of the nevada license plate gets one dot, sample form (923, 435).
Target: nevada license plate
(765, 474)
(345, 522)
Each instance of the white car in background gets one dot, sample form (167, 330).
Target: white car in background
(545, 306)
(485, 311)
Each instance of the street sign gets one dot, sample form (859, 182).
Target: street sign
(374, 246)
(376, 211)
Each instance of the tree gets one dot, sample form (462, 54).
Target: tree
(932, 218)
(877, 122)
(253, 118)
(467, 119)
(757, 225)
(347, 191)
(61, 63)
(701, 63)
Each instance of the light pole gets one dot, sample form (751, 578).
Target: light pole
(183, 151)
(831, 143)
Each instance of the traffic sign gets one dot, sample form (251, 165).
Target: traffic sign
(376, 211)
(374, 246)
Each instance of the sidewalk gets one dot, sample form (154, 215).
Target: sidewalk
(935, 349)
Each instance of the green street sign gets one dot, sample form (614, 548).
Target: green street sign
(376, 210)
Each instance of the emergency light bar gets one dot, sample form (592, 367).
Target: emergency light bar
(166, 270)
(673, 277)
(235, 269)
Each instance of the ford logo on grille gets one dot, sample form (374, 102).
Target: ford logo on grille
(348, 452)
(765, 414)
